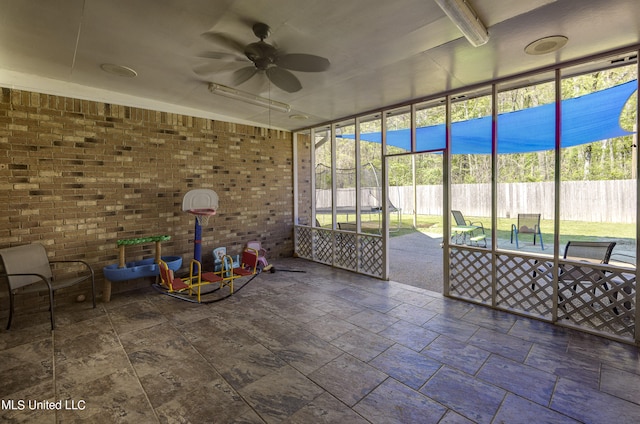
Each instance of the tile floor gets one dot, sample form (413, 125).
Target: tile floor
(323, 346)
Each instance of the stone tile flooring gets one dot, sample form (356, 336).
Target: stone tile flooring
(323, 346)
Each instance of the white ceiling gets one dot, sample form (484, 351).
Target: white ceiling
(381, 52)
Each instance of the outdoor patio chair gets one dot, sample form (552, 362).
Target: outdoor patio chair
(528, 223)
(595, 252)
(29, 270)
(591, 252)
(467, 232)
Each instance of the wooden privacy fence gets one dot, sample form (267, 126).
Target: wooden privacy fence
(590, 201)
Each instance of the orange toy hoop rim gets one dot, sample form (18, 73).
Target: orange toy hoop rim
(206, 212)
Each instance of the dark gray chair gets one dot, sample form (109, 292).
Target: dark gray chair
(28, 269)
(593, 252)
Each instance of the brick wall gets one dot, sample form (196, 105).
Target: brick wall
(305, 169)
(78, 175)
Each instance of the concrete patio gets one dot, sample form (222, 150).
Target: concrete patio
(318, 346)
(416, 258)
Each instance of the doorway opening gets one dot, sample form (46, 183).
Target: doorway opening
(415, 249)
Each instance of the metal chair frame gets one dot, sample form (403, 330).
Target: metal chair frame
(29, 270)
(528, 223)
(466, 230)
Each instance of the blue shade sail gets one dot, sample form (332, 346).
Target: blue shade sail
(585, 119)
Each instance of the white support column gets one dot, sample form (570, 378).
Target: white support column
(635, 166)
(358, 177)
(334, 194)
(296, 219)
(385, 198)
(446, 198)
(557, 188)
(312, 164)
(494, 194)
(414, 142)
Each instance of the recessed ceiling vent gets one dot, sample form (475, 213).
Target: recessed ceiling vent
(119, 70)
(546, 45)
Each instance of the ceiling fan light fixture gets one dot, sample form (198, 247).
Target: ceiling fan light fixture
(546, 45)
(466, 19)
(243, 96)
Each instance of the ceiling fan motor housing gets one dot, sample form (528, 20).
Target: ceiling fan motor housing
(261, 54)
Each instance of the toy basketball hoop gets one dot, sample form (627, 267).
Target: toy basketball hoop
(200, 199)
(203, 204)
(202, 215)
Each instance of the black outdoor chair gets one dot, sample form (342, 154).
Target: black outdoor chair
(590, 252)
(595, 252)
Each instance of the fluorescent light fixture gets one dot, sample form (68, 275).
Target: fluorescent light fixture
(243, 96)
(466, 19)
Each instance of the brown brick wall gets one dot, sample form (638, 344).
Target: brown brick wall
(78, 175)
(305, 169)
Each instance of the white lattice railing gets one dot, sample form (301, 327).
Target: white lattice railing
(357, 252)
(470, 274)
(592, 297)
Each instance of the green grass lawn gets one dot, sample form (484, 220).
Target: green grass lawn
(570, 230)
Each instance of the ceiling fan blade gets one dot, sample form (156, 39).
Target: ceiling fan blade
(206, 69)
(303, 62)
(224, 40)
(283, 79)
(244, 74)
(223, 56)
(215, 67)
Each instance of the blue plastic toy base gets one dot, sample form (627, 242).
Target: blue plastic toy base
(139, 269)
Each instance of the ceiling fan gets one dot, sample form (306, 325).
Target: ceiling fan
(267, 58)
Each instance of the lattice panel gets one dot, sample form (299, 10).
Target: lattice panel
(371, 261)
(304, 247)
(346, 250)
(361, 253)
(323, 246)
(525, 283)
(470, 273)
(599, 297)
